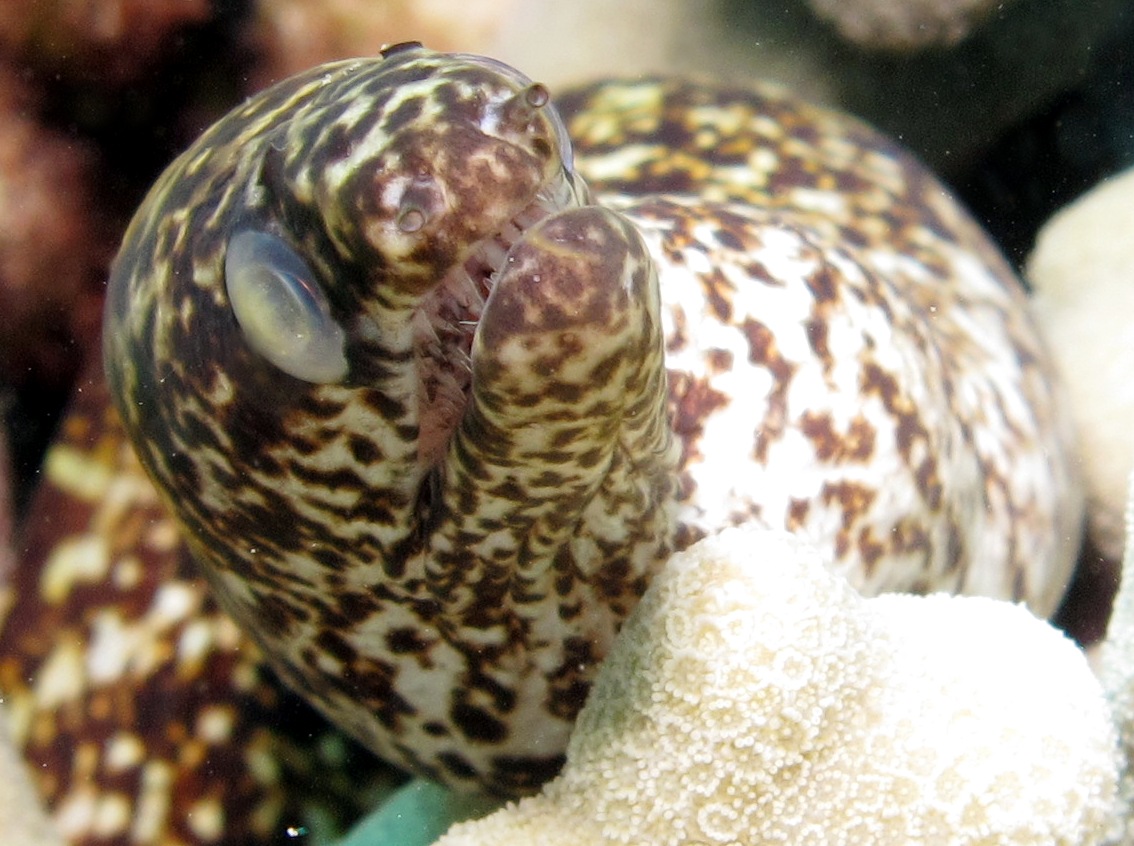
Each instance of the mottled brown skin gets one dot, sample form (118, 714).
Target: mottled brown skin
(916, 379)
(833, 346)
(144, 713)
(414, 619)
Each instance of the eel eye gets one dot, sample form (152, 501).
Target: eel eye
(282, 312)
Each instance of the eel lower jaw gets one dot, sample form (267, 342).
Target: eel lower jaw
(446, 320)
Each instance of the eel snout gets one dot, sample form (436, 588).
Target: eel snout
(448, 315)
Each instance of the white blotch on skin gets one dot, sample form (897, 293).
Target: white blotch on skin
(75, 815)
(127, 573)
(206, 820)
(118, 646)
(262, 763)
(77, 560)
(124, 751)
(112, 815)
(112, 645)
(77, 473)
(195, 641)
(153, 802)
(62, 678)
(163, 535)
(214, 724)
(173, 602)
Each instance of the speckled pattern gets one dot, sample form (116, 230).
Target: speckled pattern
(142, 710)
(437, 549)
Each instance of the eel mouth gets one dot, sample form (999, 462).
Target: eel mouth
(445, 322)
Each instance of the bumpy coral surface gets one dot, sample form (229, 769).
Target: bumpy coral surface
(1116, 670)
(755, 698)
(1081, 271)
(908, 25)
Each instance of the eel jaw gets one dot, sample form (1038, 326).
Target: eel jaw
(447, 317)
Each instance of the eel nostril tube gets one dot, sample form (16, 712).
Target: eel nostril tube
(519, 109)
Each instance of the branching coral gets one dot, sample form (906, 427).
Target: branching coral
(754, 697)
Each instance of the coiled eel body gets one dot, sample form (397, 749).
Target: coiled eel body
(430, 410)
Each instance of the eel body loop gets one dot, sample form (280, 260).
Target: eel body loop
(431, 412)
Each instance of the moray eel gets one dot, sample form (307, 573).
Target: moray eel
(432, 394)
(145, 715)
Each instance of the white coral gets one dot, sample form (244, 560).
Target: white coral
(754, 697)
(1117, 673)
(1081, 273)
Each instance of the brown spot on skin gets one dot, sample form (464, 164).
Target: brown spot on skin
(568, 697)
(857, 444)
(356, 607)
(328, 557)
(763, 350)
(387, 407)
(871, 549)
(758, 270)
(333, 643)
(364, 450)
(728, 238)
(853, 499)
(339, 478)
(821, 432)
(816, 329)
(691, 402)
(281, 617)
(457, 765)
(718, 292)
(572, 611)
(406, 640)
(720, 361)
(374, 685)
(876, 381)
(568, 690)
(822, 285)
(679, 337)
(910, 537)
(612, 579)
(929, 483)
(854, 237)
(477, 724)
(525, 774)
(797, 513)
